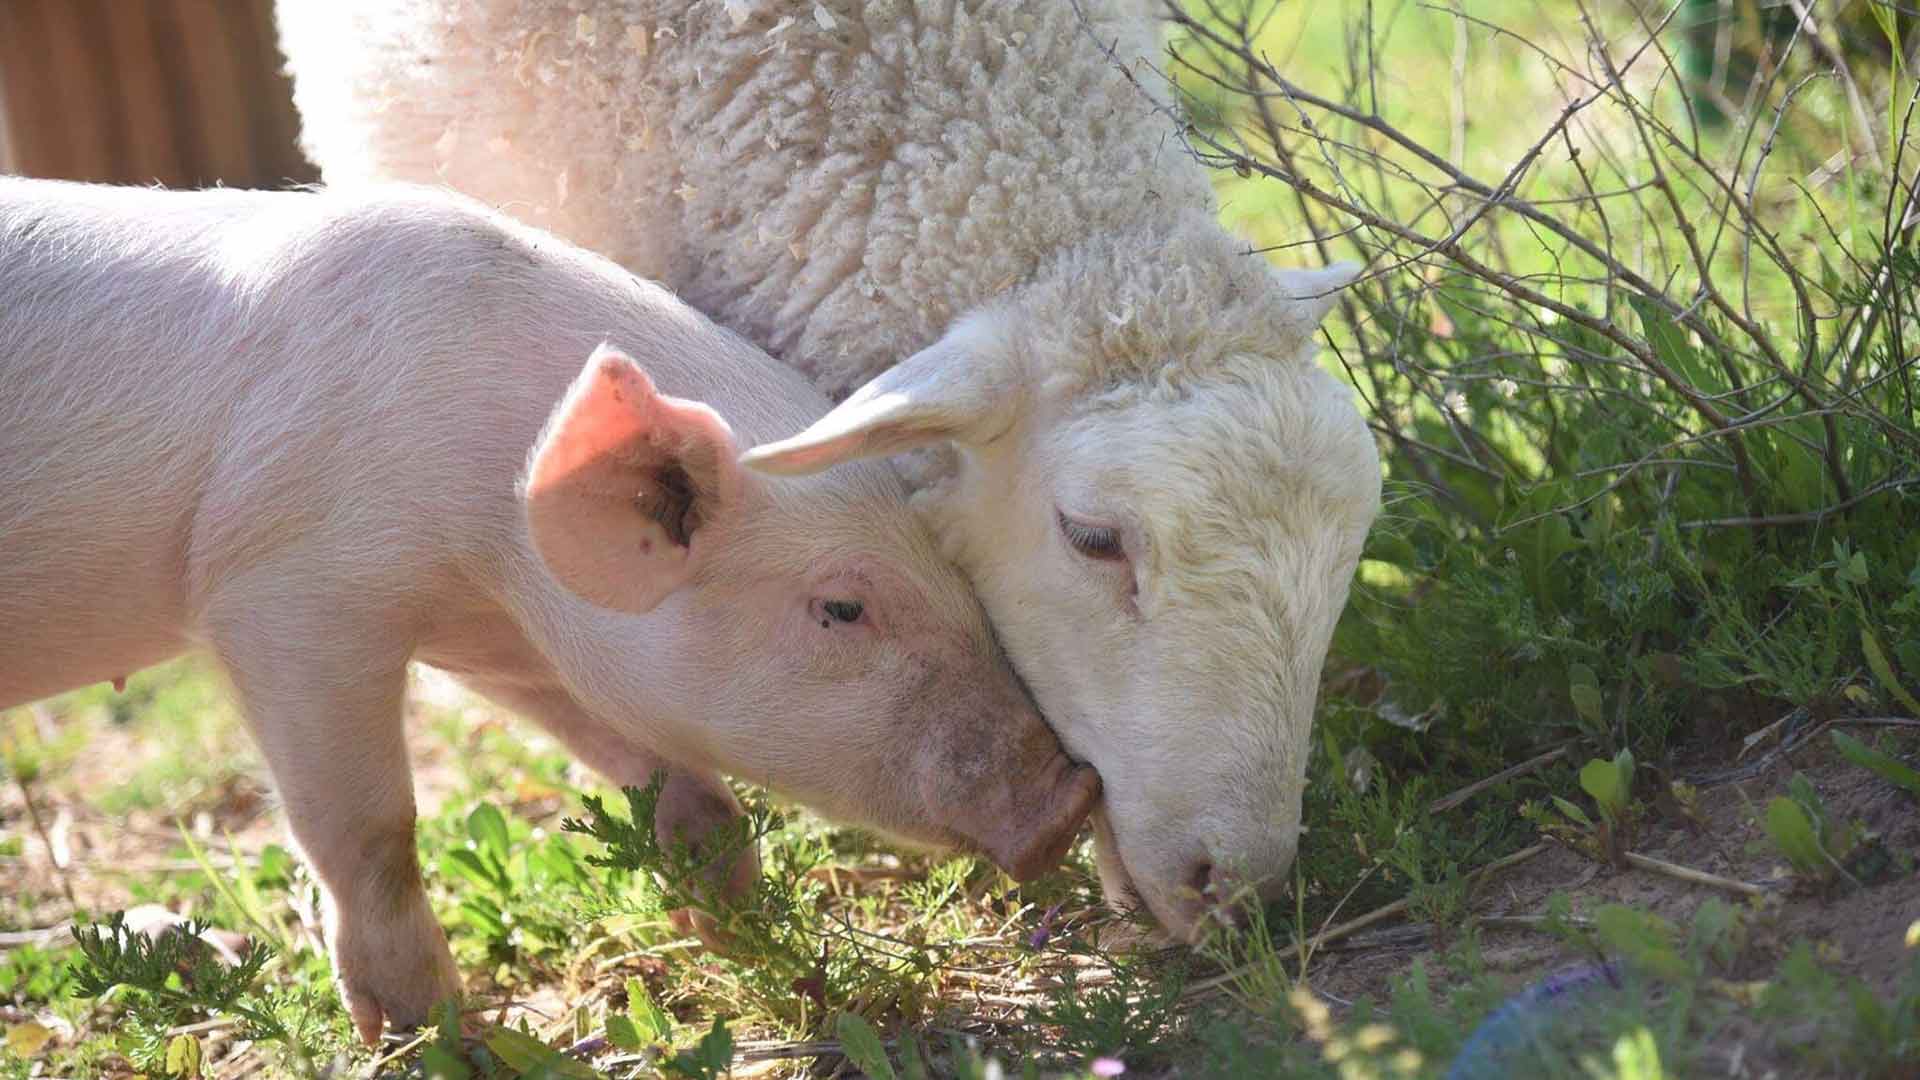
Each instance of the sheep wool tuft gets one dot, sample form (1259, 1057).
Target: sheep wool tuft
(837, 181)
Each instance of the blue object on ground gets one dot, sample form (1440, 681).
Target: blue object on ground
(1522, 1017)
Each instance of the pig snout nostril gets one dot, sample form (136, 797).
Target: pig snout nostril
(1223, 893)
(1201, 879)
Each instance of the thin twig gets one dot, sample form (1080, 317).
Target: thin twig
(40, 827)
(37, 938)
(1379, 914)
(1688, 874)
(1448, 802)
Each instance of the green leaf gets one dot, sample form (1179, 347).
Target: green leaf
(1716, 930)
(1792, 832)
(1636, 1056)
(557, 862)
(467, 864)
(1802, 791)
(1586, 702)
(1644, 939)
(1669, 343)
(1608, 783)
(525, 1054)
(649, 1019)
(439, 1063)
(184, 1056)
(716, 1047)
(488, 827)
(1854, 570)
(863, 1047)
(485, 915)
(1877, 660)
(914, 1068)
(1885, 766)
(712, 1057)
(621, 1033)
(1573, 812)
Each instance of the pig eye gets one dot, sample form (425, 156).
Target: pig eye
(846, 611)
(1093, 541)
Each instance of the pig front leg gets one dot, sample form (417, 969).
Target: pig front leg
(693, 802)
(324, 698)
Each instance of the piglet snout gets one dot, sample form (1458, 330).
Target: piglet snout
(1036, 838)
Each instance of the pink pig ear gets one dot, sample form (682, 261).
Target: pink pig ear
(622, 484)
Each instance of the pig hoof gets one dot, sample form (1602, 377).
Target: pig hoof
(703, 926)
(406, 1007)
(398, 985)
(368, 1019)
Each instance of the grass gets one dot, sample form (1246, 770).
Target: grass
(551, 905)
(1640, 630)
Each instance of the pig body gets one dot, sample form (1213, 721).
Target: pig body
(294, 429)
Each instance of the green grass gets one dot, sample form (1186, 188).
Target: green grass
(560, 931)
(1556, 581)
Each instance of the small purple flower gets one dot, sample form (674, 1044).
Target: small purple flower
(1107, 1067)
(1044, 932)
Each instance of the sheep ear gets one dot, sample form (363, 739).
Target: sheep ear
(1317, 291)
(949, 391)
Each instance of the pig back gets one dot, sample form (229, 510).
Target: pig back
(200, 382)
(106, 429)
(197, 382)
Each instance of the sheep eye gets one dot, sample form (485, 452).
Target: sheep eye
(846, 611)
(1093, 541)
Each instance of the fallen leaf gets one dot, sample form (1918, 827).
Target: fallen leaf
(26, 1040)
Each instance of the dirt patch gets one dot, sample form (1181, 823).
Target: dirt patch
(1857, 931)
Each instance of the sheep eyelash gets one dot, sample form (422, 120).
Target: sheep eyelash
(1092, 541)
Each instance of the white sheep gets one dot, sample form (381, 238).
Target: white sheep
(965, 210)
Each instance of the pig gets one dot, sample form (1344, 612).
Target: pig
(314, 434)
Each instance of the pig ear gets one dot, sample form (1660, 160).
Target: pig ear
(949, 391)
(1317, 291)
(622, 484)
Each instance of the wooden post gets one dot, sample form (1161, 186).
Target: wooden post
(185, 93)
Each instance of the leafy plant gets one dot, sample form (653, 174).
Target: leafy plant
(1814, 841)
(173, 975)
(526, 1056)
(517, 894)
(863, 1047)
(1128, 1016)
(1840, 1023)
(645, 1024)
(785, 954)
(1885, 766)
(1610, 785)
(709, 1059)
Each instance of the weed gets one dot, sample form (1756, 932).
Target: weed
(520, 891)
(797, 962)
(1838, 1022)
(173, 975)
(1815, 841)
(1130, 1016)
(708, 1059)
(863, 1047)
(1610, 785)
(1885, 766)
(645, 1025)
